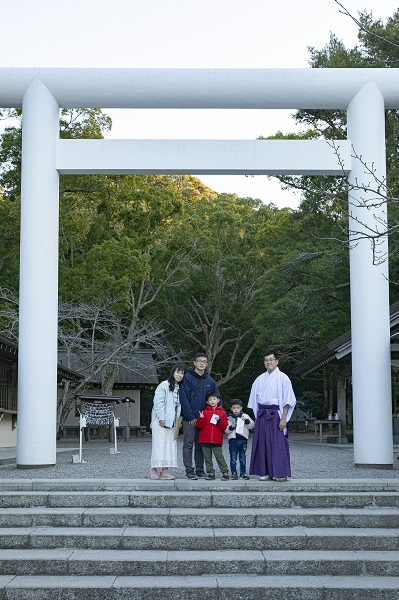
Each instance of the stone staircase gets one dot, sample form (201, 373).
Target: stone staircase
(142, 539)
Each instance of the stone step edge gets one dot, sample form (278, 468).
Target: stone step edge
(62, 553)
(319, 485)
(69, 561)
(212, 491)
(203, 500)
(201, 539)
(197, 532)
(81, 520)
(269, 585)
(200, 512)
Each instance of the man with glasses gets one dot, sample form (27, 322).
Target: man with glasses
(197, 383)
(272, 400)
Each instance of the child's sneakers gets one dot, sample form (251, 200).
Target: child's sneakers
(234, 476)
(244, 476)
(225, 477)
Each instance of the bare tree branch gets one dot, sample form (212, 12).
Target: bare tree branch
(346, 12)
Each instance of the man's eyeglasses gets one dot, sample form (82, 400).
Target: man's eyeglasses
(270, 360)
(200, 361)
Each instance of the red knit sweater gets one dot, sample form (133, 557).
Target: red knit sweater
(210, 433)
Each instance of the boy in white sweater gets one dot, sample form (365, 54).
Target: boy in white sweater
(238, 433)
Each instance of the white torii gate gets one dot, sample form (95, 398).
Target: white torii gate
(364, 93)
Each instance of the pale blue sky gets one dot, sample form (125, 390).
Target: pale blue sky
(182, 33)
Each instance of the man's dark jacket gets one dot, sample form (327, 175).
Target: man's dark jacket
(193, 391)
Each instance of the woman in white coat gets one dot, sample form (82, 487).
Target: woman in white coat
(165, 413)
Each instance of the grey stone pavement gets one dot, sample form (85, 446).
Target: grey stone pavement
(309, 460)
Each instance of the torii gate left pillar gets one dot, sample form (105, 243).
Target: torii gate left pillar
(38, 309)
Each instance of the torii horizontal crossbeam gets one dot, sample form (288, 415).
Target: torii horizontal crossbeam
(199, 88)
(262, 157)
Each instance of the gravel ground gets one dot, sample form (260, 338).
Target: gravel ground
(309, 460)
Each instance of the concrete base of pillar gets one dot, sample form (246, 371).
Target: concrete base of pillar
(365, 466)
(35, 466)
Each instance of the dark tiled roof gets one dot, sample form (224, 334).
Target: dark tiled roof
(8, 347)
(136, 369)
(340, 349)
(9, 352)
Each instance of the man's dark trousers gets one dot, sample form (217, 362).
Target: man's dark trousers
(190, 439)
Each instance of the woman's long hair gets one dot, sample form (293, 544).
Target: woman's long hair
(171, 379)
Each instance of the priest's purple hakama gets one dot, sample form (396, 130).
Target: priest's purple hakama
(270, 454)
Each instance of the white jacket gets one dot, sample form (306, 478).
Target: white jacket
(231, 433)
(164, 405)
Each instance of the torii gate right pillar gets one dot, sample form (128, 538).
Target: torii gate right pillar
(371, 358)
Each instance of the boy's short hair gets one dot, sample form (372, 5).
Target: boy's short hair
(212, 395)
(236, 401)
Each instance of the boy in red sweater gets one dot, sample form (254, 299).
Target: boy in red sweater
(212, 422)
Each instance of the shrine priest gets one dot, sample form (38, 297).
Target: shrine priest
(272, 400)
